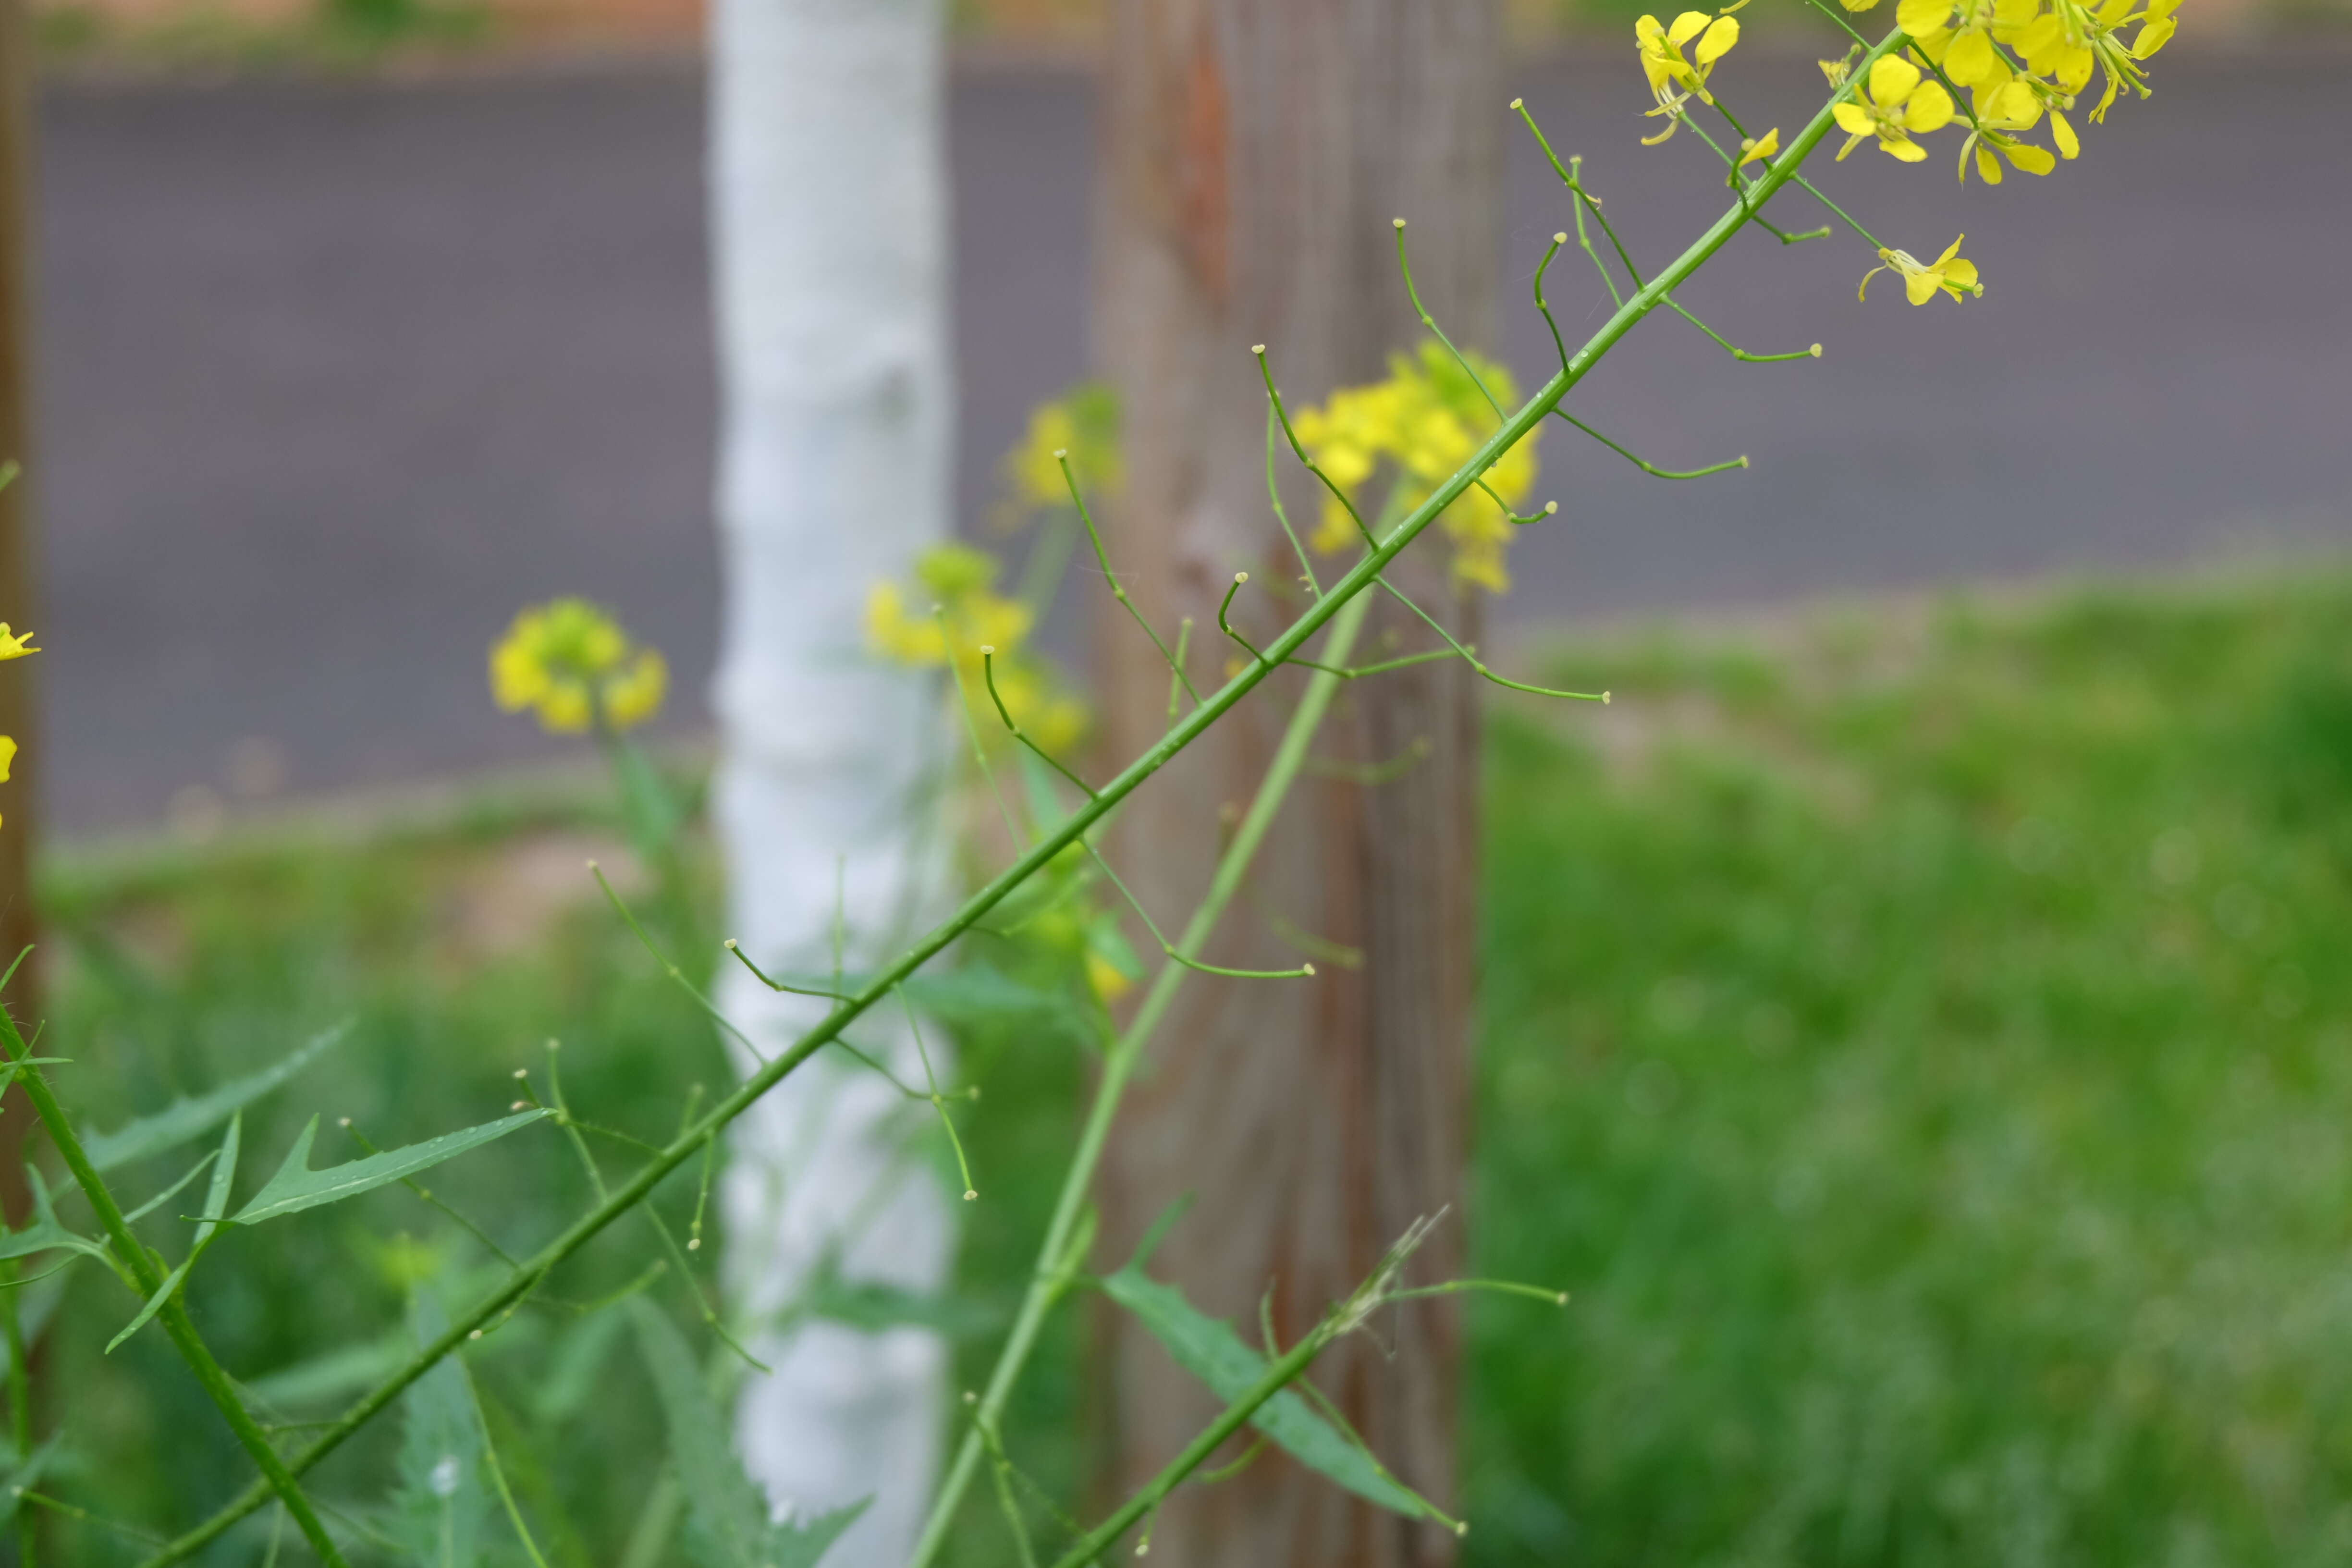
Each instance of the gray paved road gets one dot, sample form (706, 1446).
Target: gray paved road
(336, 375)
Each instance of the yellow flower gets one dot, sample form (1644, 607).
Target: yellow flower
(2010, 107)
(15, 647)
(1760, 149)
(1674, 78)
(1103, 978)
(1959, 35)
(1950, 273)
(958, 580)
(1425, 421)
(571, 663)
(1082, 422)
(1893, 105)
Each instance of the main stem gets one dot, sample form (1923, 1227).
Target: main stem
(1316, 615)
(1046, 1282)
(174, 1316)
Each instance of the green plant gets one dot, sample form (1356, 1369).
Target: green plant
(1881, 90)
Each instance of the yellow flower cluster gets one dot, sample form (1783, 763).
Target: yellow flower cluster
(963, 612)
(1083, 422)
(1425, 421)
(1674, 77)
(12, 645)
(571, 662)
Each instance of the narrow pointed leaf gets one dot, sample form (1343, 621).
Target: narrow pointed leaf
(296, 1186)
(215, 1206)
(174, 1191)
(728, 1517)
(26, 1477)
(45, 1234)
(186, 1119)
(440, 1504)
(1210, 1350)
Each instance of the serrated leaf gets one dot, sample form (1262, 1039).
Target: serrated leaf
(728, 1515)
(215, 1206)
(296, 1187)
(186, 1119)
(1210, 1350)
(442, 1499)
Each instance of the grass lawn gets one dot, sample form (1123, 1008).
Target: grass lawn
(1920, 1039)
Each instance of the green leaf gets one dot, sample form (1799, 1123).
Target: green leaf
(215, 1205)
(649, 810)
(980, 995)
(186, 1119)
(45, 1234)
(729, 1527)
(1210, 1350)
(296, 1186)
(441, 1500)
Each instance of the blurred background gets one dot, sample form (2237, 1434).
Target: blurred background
(1918, 1027)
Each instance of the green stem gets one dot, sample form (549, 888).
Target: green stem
(20, 1401)
(1278, 1376)
(1046, 1281)
(1348, 588)
(183, 1332)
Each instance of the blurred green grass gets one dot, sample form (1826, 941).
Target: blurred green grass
(1921, 1039)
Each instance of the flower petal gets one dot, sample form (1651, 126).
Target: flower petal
(1930, 109)
(2063, 134)
(1988, 165)
(2032, 159)
(1920, 287)
(1961, 270)
(1903, 149)
(1853, 119)
(1687, 26)
(1918, 16)
(1971, 60)
(1719, 36)
(1892, 77)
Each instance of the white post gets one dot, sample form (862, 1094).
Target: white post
(828, 199)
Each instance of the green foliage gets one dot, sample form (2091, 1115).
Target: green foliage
(187, 1119)
(728, 1520)
(441, 1499)
(1922, 1050)
(1210, 1350)
(296, 1187)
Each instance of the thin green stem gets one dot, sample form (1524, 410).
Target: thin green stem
(20, 1403)
(182, 1333)
(1560, 345)
(988, 675)
(1646, 466)
(1117, 590)
(1273, 494)
(1348, 589)
(1299, 450)
(1058, 1254)
(1734, 350)
(1225, 611)
(1431, 322)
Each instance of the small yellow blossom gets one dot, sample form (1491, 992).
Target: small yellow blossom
(1760, 149)
(571, 663)
(1893, 105)
(1104, 979)
(1425, 421)
(959, 579)
(2007, 108)
(1674, 78)
(14, 647)
(1950, 273)
(1082, 422)
(1960, 35)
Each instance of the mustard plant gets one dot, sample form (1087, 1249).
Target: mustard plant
(1446, 441)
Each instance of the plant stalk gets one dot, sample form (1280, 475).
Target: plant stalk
(1359, 577)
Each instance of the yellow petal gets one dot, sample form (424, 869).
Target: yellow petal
(2014, 106)
(1902, 149)
(1918, 16)
(1971, 61)
(2032, 159)
(1920, 287)
(1962, 271)
(1892, 80)
(2063, 134)
(1646, 29)
(1950, 251)
(1930, 108)
(1687, 26)
(1720, 36)
(2153, 37)
(1853, 119)
(7, 755)
(1988, 165)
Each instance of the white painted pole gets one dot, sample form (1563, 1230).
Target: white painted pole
(829, 228)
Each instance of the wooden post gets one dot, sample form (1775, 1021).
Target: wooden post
(17, 803)
(1254, 155)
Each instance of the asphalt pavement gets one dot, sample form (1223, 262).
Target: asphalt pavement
(337, 374)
